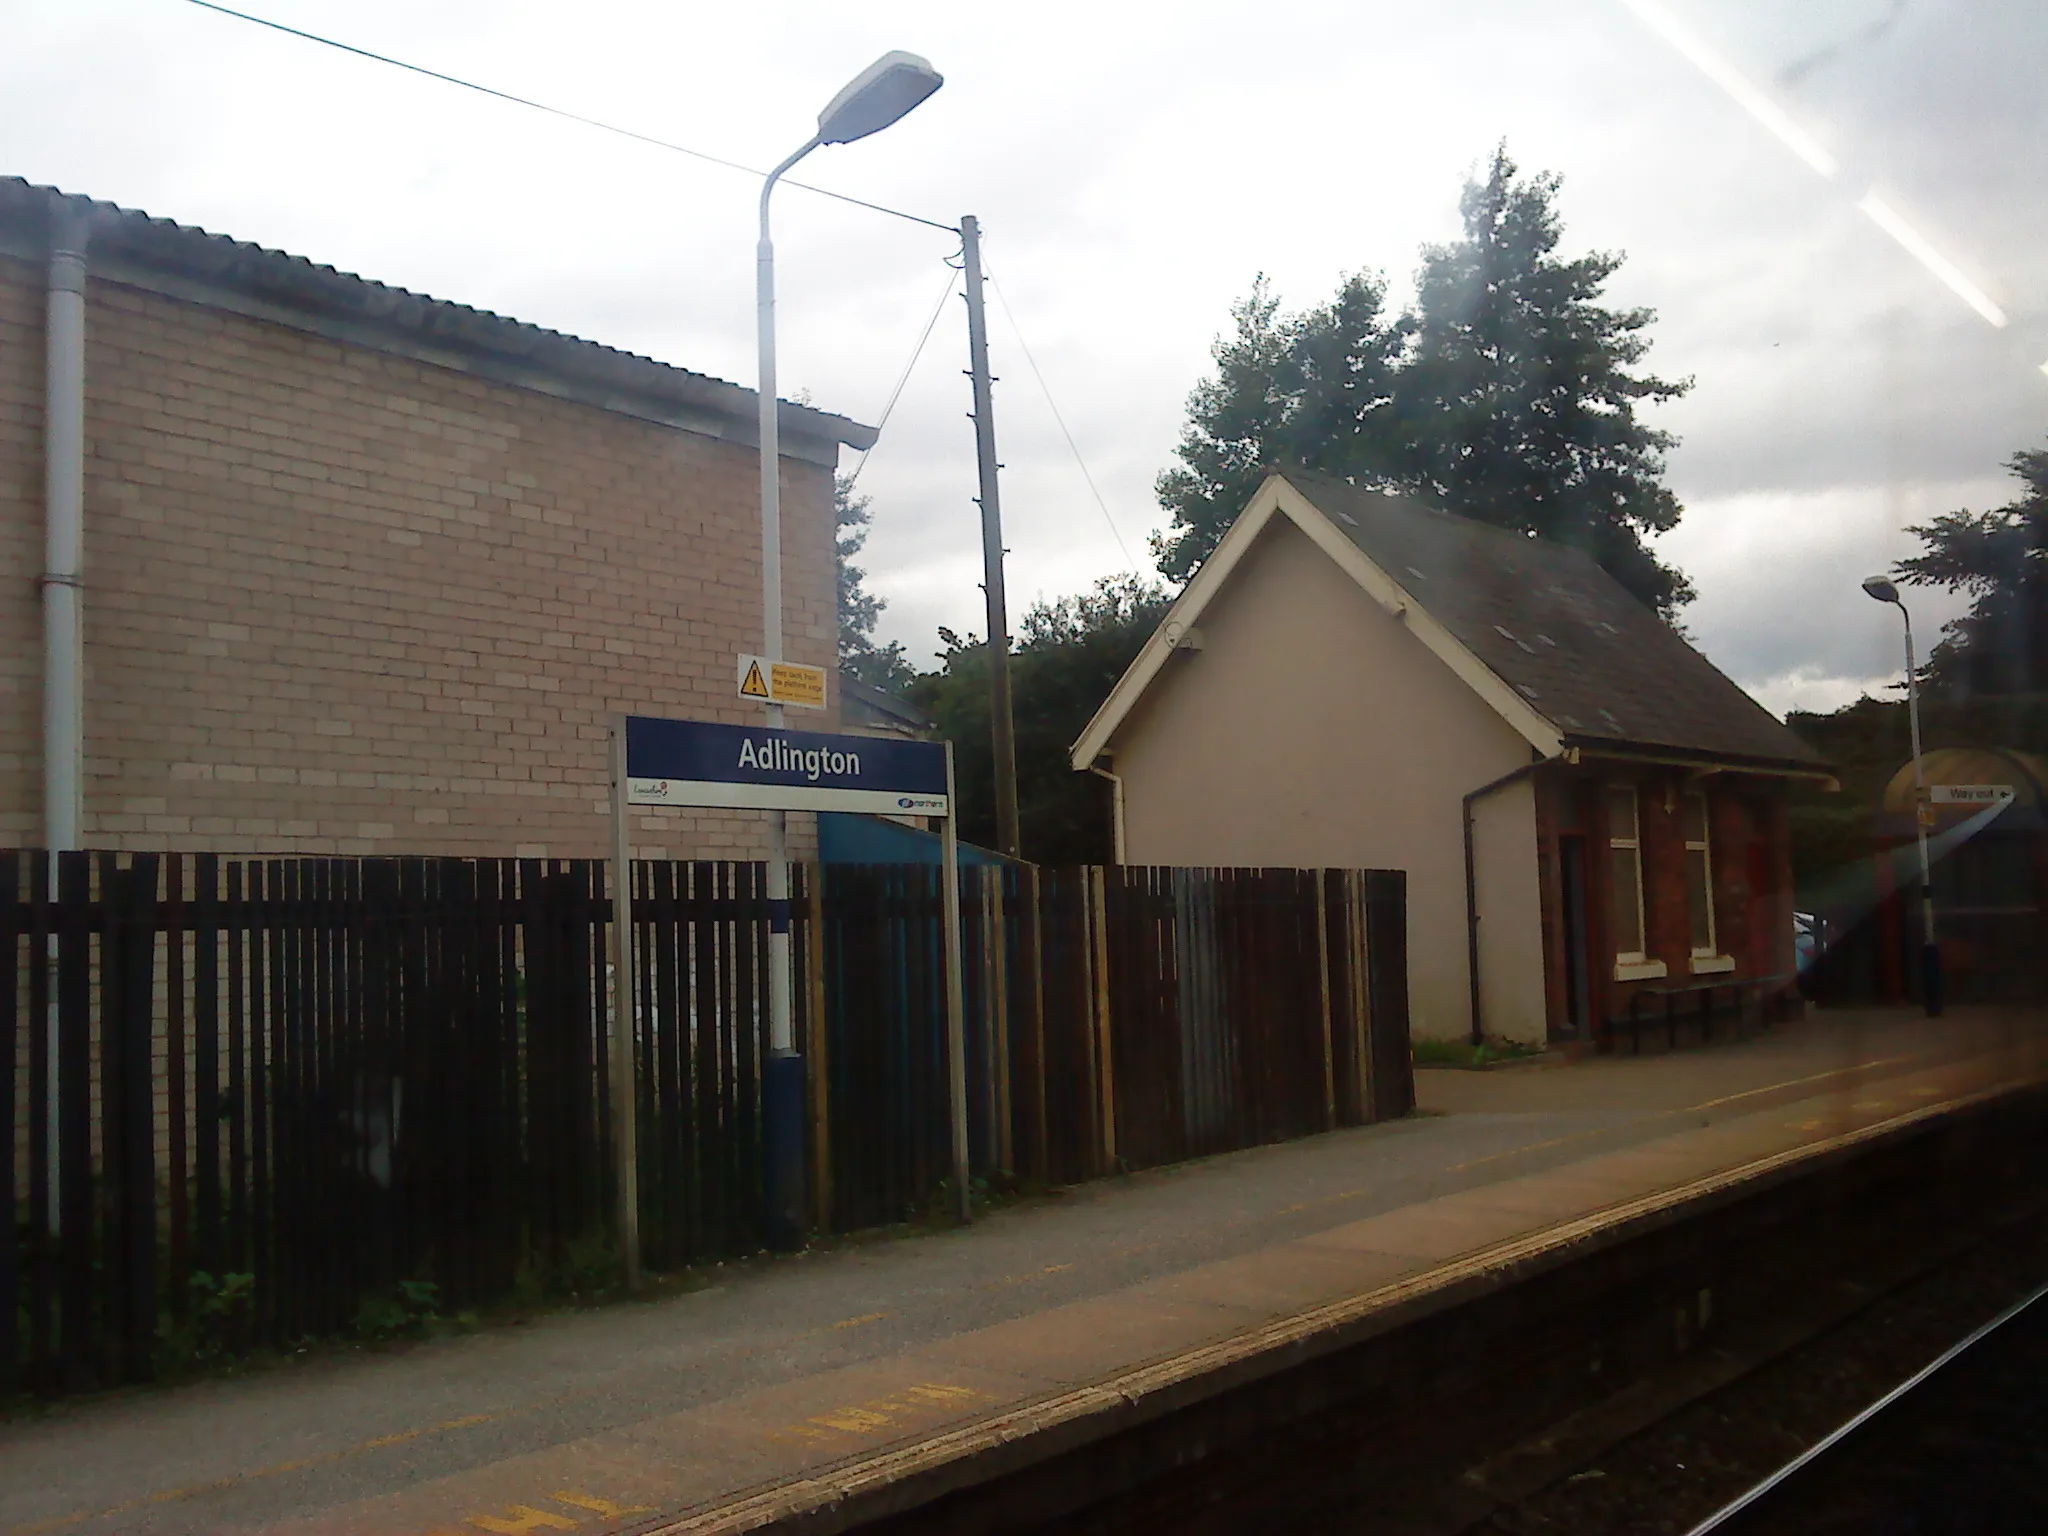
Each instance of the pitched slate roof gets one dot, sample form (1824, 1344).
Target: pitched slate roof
(1562, 633)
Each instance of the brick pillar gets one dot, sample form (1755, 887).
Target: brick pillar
(1666, 919)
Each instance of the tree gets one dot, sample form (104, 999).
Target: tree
(1508, 395)
(1069, 655)
(880, 666)
(1313, 389)
(2001, 559)
(1518, 400)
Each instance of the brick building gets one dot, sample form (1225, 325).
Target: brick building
(366, 571)
(1592, 817)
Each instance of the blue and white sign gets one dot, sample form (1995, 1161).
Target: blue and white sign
(756, 767)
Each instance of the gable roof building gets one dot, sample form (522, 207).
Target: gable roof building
(1353, 679)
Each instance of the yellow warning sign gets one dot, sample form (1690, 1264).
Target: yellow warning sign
(782, 682)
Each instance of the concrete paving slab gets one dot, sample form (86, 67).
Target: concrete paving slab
(1278, 1281)
(1079, 1342)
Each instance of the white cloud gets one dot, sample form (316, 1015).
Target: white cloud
(1134, 167)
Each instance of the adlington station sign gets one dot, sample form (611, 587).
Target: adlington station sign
(765, 768)
(692, 763)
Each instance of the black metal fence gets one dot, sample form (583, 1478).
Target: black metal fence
(249, 1101)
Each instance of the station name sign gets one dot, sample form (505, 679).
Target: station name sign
(695, 763)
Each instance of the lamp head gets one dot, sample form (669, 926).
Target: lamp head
(876, 97)
(1881, 588)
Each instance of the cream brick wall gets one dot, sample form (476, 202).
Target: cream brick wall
(341, 601)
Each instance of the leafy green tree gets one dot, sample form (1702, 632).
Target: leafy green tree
(1508, 395)
(882, 666)
(1314, 389)
(2001, 559)
(1069, 655)
(1518, 399)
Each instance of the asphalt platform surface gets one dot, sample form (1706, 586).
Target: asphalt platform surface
(457, 1434)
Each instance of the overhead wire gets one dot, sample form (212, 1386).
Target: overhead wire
(563, 112)
(1052, 405)
(952, 282)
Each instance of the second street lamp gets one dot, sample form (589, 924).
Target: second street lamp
(870, 102)
(1884, 590)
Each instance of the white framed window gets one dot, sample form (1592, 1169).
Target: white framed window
(1625, 875)
(1699, 875)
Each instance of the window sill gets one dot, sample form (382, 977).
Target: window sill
(1639, 970)
(1712, 965)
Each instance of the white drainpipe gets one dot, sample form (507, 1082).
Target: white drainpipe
(64, 536)
(63, 568)
(1116, 785)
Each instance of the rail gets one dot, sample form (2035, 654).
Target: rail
(1756, 1499)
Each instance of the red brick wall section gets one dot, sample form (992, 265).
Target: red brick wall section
(1731, 831)
(342, 601)
(1667, 912)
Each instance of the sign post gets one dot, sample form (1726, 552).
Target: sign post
(956, 1010)
(738, 767)
(624, 1033)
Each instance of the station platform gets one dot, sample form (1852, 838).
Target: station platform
(787, 1387)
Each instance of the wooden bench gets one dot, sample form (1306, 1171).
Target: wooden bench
(1696, 999)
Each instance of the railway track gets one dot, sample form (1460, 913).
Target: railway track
(1958, 1446)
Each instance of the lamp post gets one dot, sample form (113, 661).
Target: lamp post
(870, 102)
(1884, 590)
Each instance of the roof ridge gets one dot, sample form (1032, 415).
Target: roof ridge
(1413, 501)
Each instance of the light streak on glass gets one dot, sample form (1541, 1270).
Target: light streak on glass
(1731, 80)
(1916, 245)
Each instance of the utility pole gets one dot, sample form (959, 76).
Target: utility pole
(1002, 727)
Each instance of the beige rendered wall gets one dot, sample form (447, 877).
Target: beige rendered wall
(343, 601)
(1313, 730)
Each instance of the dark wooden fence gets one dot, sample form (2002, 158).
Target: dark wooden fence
(245, 1102)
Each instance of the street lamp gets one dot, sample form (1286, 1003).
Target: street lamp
(1884, 590)
(870, 102)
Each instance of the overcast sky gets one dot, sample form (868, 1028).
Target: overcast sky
(1134, 168)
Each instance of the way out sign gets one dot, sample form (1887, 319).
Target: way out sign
(788, 683)
(1979, 795)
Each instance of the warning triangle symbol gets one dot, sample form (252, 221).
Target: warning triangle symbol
(754, 687)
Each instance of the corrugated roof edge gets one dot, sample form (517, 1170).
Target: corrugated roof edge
(289, 281)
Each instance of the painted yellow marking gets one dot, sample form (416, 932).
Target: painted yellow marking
(853, 1420)
(940, 1392)
(856, 1322)
(1053, 1269)
(1798, 1082)
(1534, 1146)
(1688, 1109)
(521, 1520)
(597, 1506)
(404, 1435)
(876, 1413)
